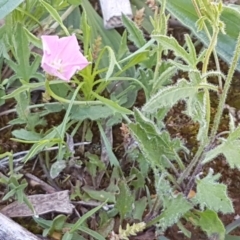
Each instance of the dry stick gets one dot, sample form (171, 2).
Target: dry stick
(4, 161)
(46, 187)
(10, 230)
(93, 204)
(47, 175)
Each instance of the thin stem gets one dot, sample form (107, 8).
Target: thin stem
(64, 16)
(204, 70)
(218, 114)
(225, 90)
(206, 141)
(209, 37)
(189, 168)
(84, 130)
(4, 161)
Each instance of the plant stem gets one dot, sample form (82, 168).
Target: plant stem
(210, 49)
(217, 116)
(189, 168)
(206, 141)
(225, 90)
(64, 16)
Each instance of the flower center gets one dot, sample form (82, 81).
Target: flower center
(57, 64)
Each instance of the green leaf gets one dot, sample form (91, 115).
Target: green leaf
(73, 20)
(136, 59)
(163, 188)
(23, 88)
(112, 158)
(22, 105)
(2, 94)
(211, 224)
(125, 200)
(112, 63)
(7, 6)
(213, 195)
(170, 43)
(100, 195)
(22, 69)
(54, 14)
(139, 181)
(83, 218)
(67, 236)
(169, 96)
(60, 89)
(228, 149)
(32, 38)
(87, 31)
(53, 107)
(233, 225)
(186, 14)
(139, 208)
(26, 135)
(191, 49)
(106, 224)
(135, 34)
(75, 2)
(164, 78)
(90, 232)
(156, 146)
(43, 222)
(231, 237)
(173, 210)
(57, 167)
(184, 230)
(111, 104)
(94, 164)
(58, 223)
(38, 147)
(123, 48)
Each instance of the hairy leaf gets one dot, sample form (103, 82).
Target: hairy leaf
(211, 224)
(125, 200)
(228, 149)
(186, 14)
(170, 43)
(156, 146)
(170, 96)
(165, 77)
(135, 34)
(213, 195)
(174, 209)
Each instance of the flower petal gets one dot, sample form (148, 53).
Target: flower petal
(62, 57)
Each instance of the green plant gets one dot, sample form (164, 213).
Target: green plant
(69, 231)
(162, 152)
(158, 171)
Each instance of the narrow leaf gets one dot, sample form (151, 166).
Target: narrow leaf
(135, 34)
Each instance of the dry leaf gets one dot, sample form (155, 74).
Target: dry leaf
(42, 203)
(191, 194)
(139, 17)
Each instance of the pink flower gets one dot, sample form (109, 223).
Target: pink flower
(62, 56)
